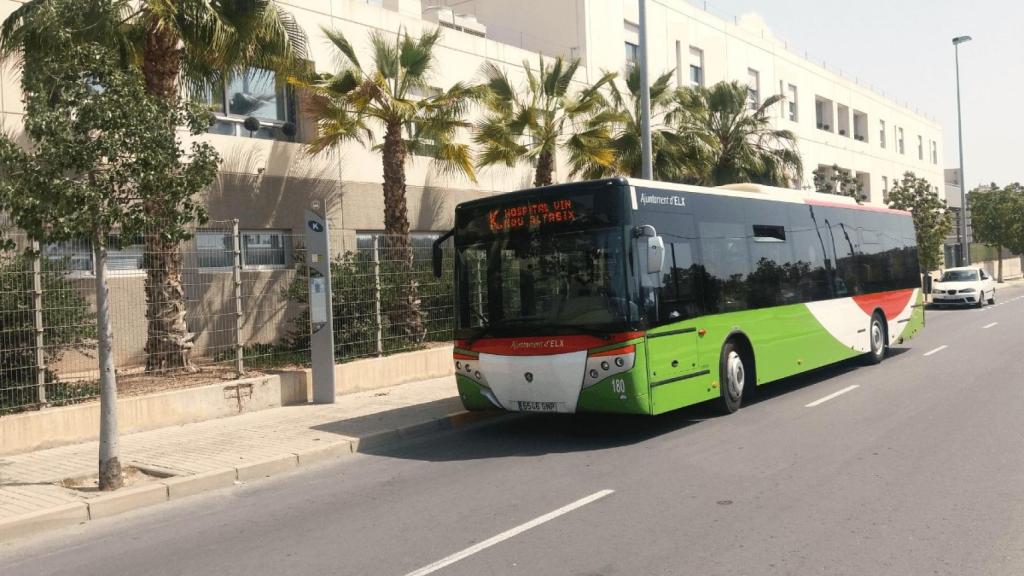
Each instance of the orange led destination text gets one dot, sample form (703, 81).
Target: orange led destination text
(532, 214)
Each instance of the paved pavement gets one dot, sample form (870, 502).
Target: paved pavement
(917, 467)
(27, 481)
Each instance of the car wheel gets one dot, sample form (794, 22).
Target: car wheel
(877, 339)
(732, 376)
(981, 300)
(992, 297)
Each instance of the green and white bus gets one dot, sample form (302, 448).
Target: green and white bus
(626, 295)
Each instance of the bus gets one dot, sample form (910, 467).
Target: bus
(632, 296)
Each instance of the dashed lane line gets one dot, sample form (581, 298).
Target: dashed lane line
(939, 349)
(447, 561)
(832, 395)
(989, 325)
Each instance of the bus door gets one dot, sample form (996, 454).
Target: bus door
(674, 303)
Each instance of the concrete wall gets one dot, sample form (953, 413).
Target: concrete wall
(71, 424)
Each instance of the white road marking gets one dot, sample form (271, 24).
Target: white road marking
(939, 349)
(990, 325)
(832, 395)
(509, 534)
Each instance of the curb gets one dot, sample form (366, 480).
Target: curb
(178, 487)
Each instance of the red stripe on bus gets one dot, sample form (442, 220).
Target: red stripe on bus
(544, 345)
(857, 207)
(891, 303)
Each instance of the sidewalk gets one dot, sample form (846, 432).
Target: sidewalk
(218, 453)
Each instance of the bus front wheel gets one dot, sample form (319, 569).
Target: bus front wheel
(733, 377)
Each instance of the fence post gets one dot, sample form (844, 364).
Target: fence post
(236, 273)
(376, 295)
(37, 321)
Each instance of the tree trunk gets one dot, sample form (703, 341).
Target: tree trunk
(168, 341)
(545, 169)
(405, 317)
(110, 464)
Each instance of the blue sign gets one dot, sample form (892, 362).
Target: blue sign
(316, 226)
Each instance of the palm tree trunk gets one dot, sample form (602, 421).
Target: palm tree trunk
(999, 254)
(405, 316)
(545, 169)
(168, 341)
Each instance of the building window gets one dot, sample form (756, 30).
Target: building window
(920, 147)
(885, 189)
(632, 55)
(696, 67)
(881, 133)
(254, 93)
(214, 249)
(823, 113)
(753, 88)
(899, 141)
(791, 104)
(123, 258)
(264, 249)
(860, 126)
(843, 119)
(935, 152)
(421, 242)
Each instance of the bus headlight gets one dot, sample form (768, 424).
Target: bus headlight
(469, 367)
(601, 365)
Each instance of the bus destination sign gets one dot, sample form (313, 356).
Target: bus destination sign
(531, 214)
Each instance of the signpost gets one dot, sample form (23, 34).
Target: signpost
(321, 342)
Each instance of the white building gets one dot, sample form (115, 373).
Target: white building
(838, 121)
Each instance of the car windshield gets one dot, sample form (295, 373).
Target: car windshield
(536, 283)
(959, 275)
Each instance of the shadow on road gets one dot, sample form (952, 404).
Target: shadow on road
(519, 435)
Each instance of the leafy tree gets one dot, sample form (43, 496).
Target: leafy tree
(533, 122)
(394, 94)
(840, 181)
(101, 158)
(676, 153)
(197, 42)
(932, 218)
(997, 219)
(743, 145)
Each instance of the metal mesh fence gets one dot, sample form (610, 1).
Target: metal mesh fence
(226, 303)
(387, 299)
(212, 308)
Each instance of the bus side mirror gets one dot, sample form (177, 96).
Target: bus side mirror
(655, 255)
(437, 252)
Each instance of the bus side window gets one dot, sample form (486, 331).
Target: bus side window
(678, 295)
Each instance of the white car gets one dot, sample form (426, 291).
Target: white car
(969, 285)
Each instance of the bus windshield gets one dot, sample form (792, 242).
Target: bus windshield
(535, 283)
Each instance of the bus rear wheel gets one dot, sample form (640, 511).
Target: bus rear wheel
(733, 372)
(877, 336)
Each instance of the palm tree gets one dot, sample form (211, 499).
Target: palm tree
(394, 95)
(677, 152)
(200, 42)
(532, 123)
(744, 147)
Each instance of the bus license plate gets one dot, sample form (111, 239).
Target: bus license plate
(538, 406)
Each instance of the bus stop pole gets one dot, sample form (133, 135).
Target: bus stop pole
(321, 341)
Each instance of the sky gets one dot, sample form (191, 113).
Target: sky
(904, 49)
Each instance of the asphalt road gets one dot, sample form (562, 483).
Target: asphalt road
(917, 467)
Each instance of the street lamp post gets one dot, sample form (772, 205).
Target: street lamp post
(965, 253)
(647, 166)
